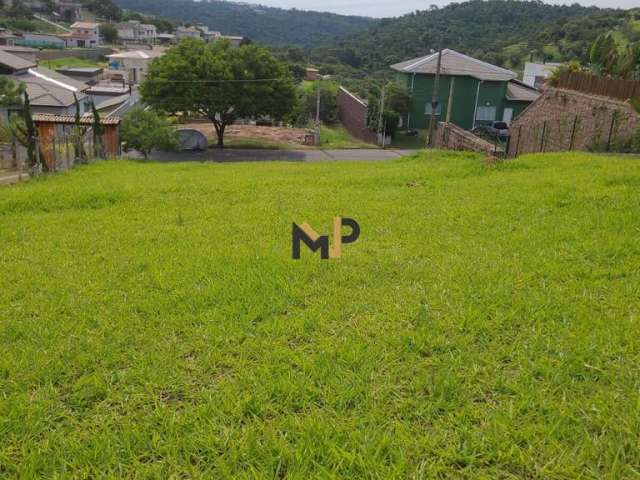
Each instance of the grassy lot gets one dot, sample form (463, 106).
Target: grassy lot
(70, 62)
(336, 136)
(485, 325)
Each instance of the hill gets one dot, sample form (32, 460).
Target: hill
(274, 26)
(503, 32)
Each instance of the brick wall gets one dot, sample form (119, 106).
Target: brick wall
(352, 113)
(451, 137)
(563, 120)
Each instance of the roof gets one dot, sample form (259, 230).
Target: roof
(18, 49)
(86, 119)
(137, 54)
(520, 92)
(455, 64)
(50, 89)
(84, 25)
(13, 62)
(85, 71)
(113, 102)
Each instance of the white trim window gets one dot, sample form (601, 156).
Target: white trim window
(486, 114)
(428, 109)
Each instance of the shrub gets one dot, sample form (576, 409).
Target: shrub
(144, 130)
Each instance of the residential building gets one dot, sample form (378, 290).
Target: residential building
(7, 38)
(165, 38)
(471, 92)
(133, 65)
(208, 35)
(26, 53)
(536, 74)
(82, 35)
(188, 32)
(49, 91)
(135, 32)
(68, 10)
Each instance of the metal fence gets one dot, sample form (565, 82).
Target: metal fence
(57, 153)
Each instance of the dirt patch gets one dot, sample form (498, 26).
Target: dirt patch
(272, 135)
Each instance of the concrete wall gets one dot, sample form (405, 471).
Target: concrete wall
(88, 53)
(563, 120)
(352, 113)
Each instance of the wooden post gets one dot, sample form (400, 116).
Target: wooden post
(573, 133)
(613, 124)
(518, 143)
(544, 132)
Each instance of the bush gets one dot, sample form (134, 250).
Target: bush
(144, 130)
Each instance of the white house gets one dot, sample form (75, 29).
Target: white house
(82, 35)
(132, 65)
(188, 32)
(135, 32)
(535, 74)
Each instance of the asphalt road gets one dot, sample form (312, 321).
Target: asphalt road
(257, 155)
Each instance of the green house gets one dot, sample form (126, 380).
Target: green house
(471, 92)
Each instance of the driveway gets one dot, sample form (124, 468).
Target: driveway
(257, 155)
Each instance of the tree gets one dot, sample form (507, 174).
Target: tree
(397, 102)
(98, 132)
(219, 82)
(144, 130)
(306, 104)
(109, 33)
(604, 54)
(11, 93)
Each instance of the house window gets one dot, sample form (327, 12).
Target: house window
(428, 109)
(486, 114)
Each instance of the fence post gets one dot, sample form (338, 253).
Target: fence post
(518, 142)
(573, 133)
(613, 123)
(544, 132)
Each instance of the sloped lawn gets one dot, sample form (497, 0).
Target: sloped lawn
(485, 325)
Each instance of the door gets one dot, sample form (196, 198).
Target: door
(507, 116)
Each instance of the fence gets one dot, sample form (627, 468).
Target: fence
(604, 86)
(563, 120)
(59, 153)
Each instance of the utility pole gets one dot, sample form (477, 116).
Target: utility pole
(317, 139)
(434, 101)
(381, 117)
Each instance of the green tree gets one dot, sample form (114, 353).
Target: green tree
(397, 102)
(219, 82)
(306, 104)
(11, 92)
(144, 130)
(604, 54)
(109, 33)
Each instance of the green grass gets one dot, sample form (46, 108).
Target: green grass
(402, 140)
(336, 136)
(71, 62)
(485, 325)
(250, 143)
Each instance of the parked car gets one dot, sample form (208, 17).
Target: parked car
(494, 130)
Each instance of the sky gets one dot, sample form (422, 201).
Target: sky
(392, 8)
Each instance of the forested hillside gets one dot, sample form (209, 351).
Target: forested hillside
(503, 32)
(268, 25)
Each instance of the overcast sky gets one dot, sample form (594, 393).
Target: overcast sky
(391, 8)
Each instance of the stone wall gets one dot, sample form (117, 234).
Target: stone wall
(352, 113)
(564, 120)
(451, 137)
